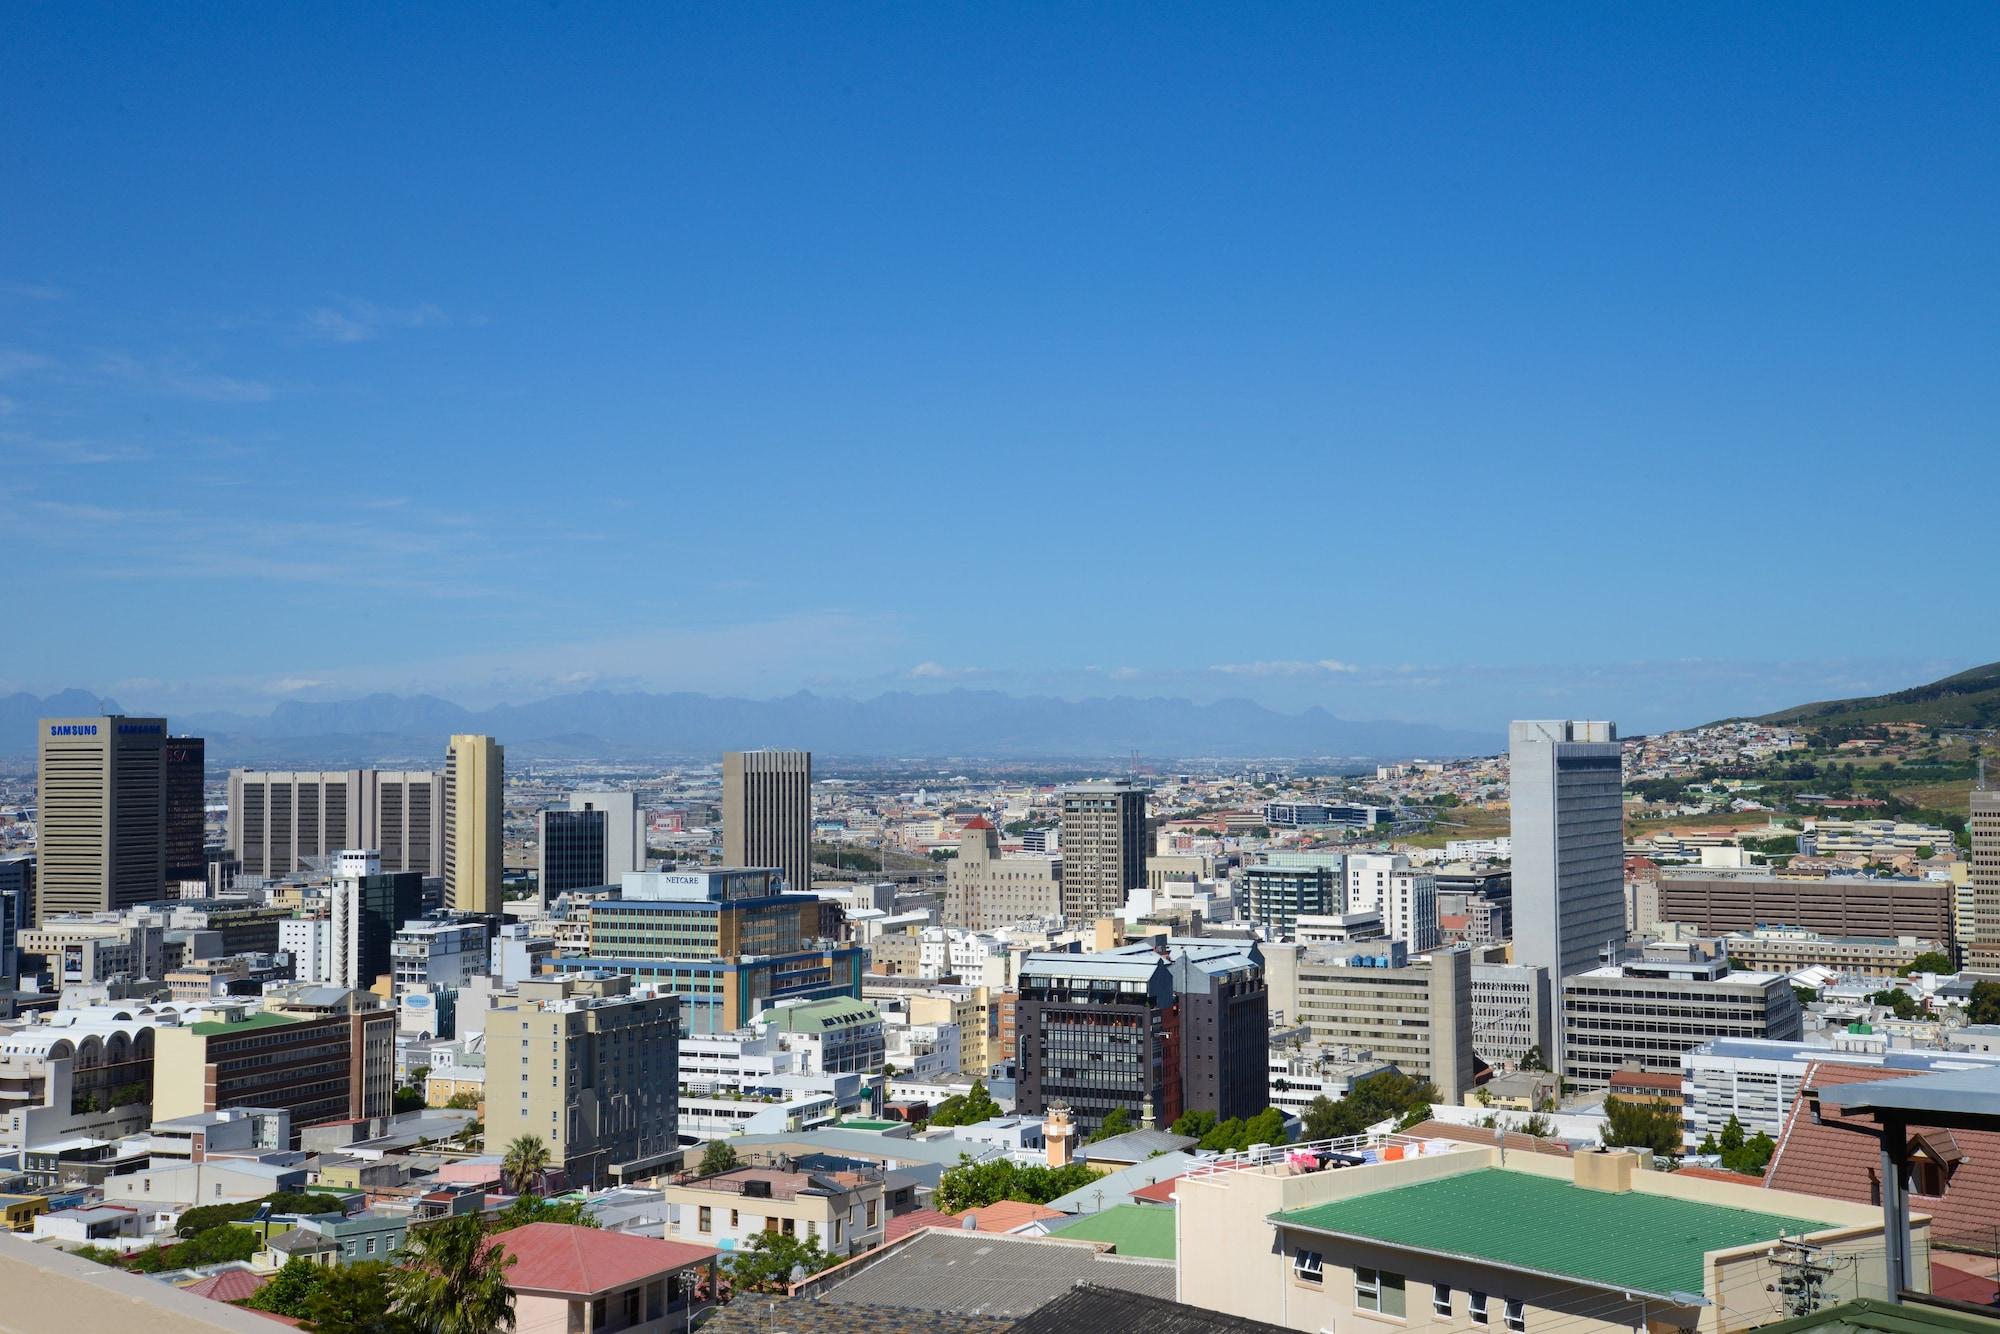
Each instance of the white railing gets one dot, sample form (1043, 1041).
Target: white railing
(1368, 1145)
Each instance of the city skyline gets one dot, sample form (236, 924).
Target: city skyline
(1439, 299)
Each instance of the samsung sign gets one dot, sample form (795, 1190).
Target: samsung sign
(72, 729)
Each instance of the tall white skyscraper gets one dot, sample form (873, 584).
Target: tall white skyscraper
(1568, 805)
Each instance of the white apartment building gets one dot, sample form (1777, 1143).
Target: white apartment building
(925, 1052)
(309, 940)
(1757, 1081)
(1300, 1075)
(1510, 1012)
(438, 954)
(943, 952)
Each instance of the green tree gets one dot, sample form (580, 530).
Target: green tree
(1538, 1126)
(1930, 961)
(104, 1255)
(1899, 1002)
(204, 1217)
(355, 1299)
(771, 1260)
(966, 1109)
(290, 1289)
(465, 1100)
(1983, 1005)
(1532, 1059)
(524, 1163)
(1806, 995)
(528, 1209)
(406, 1100)
(1225, 1136)
(1642, 1125)
(1119, 1122)
(451, 1281)
(1267, 1127)
(973, 1185)
(1195, 1123)
(719, 1156)
(1321, 1117)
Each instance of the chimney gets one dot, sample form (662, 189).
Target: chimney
(1059, 1134)
(1608, 1170)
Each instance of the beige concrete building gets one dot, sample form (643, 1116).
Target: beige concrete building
(843, 1210)
(971, 1009)
(101, 817)
(767, 812)
(475, 780)
(1451, 1236)
(1773, 949)
(319, 1053)
(1103, 846)
(592, 1069)
(1414, 1013)
(81, 950)
(1175, 874)
(985, 890)
(282, 820)
(1983, 950)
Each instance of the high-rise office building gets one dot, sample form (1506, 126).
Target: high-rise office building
(594, 842)
(767, 812)
(1568, 805)
(282, 822)
(102, 818)
(187, 834)
(17, 911)
(1983, 951)
(1153, 1031)
(369, 906)
(474, 819)
(610, 1109)
(1104, 847)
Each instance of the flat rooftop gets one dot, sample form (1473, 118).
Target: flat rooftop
(1143, 1231)
(1631, 1241)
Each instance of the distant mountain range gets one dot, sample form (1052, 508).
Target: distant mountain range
(600, 724)
(1967, 699)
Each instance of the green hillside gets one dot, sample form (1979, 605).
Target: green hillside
(1969, 699)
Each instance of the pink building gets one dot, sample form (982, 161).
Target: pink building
(569, 1279)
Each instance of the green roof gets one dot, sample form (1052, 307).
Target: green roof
(863, 1123)
(1868, 1314)
(1142, 1230)
(1635, 1241)
(256, 1021)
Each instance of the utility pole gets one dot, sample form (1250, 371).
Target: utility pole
(1802, 1275)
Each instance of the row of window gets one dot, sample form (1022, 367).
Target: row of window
(1382, 1292)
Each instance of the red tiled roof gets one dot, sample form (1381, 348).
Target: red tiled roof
(1841, 1165)
(902, 1225)
(978, 822)
(1159, 1192)
(1007, 1215)
(228, 1285)
(1454, 921)
(1963, 1278)
(585, 1261)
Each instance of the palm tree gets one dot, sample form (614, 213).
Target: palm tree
(453, 1280)
(527, 1158)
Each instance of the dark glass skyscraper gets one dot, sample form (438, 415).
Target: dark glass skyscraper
(186, 760)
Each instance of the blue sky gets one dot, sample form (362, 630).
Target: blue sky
(1437, 363)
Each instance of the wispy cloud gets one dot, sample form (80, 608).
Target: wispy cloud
(1287, 667)
(362, 321)
(19, 361)
(937, 671)
(70, 451)
(178, 377)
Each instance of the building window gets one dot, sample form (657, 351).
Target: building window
(1476, 1304)
(1307, 1266)
(1378, 1290)
(704, 1219)
(790, 1227)
(1441, 1299)
(872, 1206)
(1517, 1315)
(735, 1218)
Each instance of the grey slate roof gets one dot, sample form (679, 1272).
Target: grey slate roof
(1135, 1146)
(1103, 1311)
(1115, 1188)
(981, 1273)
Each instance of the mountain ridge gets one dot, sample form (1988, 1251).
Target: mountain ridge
(640, 724)
(1970, 698)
